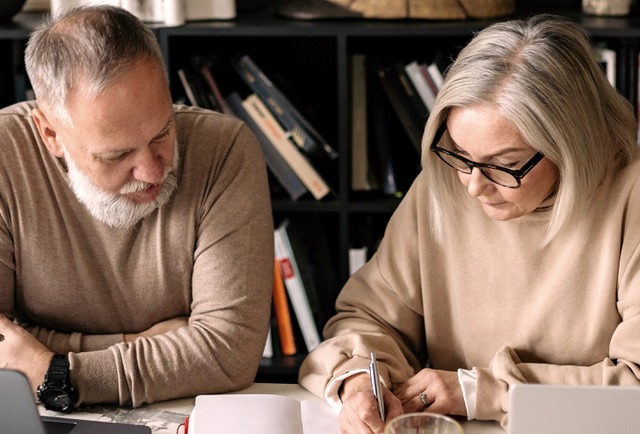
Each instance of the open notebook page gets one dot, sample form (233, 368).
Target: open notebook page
(318, 418)
(264, 414)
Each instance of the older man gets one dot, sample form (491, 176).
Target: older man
(136, 238)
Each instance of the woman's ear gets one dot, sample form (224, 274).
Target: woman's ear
(47, 132)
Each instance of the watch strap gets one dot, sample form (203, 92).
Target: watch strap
(58, 371)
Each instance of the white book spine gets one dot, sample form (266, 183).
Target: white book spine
(357, 258)
(416, 77)
(295, 289)
(436, 75)
(281, 141)
(268, 346)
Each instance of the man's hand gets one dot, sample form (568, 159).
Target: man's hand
(160, 328)
(20, 351)
(441, 389)
(359, 413)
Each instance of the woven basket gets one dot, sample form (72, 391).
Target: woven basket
(385, 9)
(616, 8)
(428, 9)
(459, 9)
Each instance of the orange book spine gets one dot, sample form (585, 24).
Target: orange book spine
(281, 309)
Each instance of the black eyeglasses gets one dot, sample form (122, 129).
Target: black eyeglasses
(500, 175)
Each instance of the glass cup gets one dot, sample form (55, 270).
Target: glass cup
(422, 423)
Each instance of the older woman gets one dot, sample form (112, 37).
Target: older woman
(515, 256)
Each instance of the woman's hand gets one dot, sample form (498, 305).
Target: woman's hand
(441, 389)
(359, 413)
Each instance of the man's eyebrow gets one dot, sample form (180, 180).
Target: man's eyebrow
(116, 152)
(167, 126)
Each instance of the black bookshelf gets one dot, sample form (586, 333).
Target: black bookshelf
(313, 60)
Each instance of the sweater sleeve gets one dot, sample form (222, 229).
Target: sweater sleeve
(621, 367)
(230, 288)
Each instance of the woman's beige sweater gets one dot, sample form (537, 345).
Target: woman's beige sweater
(490, 299)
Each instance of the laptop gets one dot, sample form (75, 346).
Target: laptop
(555, 409)
(19, 414)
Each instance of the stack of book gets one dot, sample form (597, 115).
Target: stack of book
(297, 156)
(302, 288)
(390, 103)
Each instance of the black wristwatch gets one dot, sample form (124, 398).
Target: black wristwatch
(57, 393)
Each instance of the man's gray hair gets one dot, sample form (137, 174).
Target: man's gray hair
(88, 46)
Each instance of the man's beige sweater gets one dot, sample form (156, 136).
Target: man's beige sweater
(490, 299)
(79, 285)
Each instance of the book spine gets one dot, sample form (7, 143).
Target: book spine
(205, 70)
(435, 74)
(267, 353)
(183, 75)
(400, 105)
(422, 87)
(280, 140)
(361, 176)
(281, 310)
(295, 290)
(278, 166)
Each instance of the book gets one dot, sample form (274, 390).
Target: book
(304, 135)
(435, 74)
(362, 178)
(357, 258)
(205, 68)
(315, 262)
(192, 93)
(268, 346)
(295, 287)
(380, 137)
(281, 141)
(204, 93)
(260, 413)
(433, 86)
(606, 58)
(281, 312)
(277, 165)
(437, 67)
(400, 102)
(422, 86)
(420, 111)
(276, 348)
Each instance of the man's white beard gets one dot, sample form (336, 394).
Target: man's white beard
(116, 210)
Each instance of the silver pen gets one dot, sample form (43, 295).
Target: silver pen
(375, 384)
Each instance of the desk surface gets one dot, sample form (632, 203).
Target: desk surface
(165, 417)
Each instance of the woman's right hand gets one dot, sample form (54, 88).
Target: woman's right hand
(359, 413)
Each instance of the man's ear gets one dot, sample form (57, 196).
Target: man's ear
(47, 132)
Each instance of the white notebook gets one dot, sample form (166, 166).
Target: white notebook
(554, 409)
(264, 414)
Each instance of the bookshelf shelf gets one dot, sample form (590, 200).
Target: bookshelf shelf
(313, 61)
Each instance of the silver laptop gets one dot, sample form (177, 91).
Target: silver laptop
(553, 409)
(19, 415)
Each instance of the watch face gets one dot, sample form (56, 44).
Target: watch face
(55, 398)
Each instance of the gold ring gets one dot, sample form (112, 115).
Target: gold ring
(423, 398)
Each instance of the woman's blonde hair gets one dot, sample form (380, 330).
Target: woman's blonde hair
(541, 75)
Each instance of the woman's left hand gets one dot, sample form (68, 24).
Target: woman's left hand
(441, 393)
